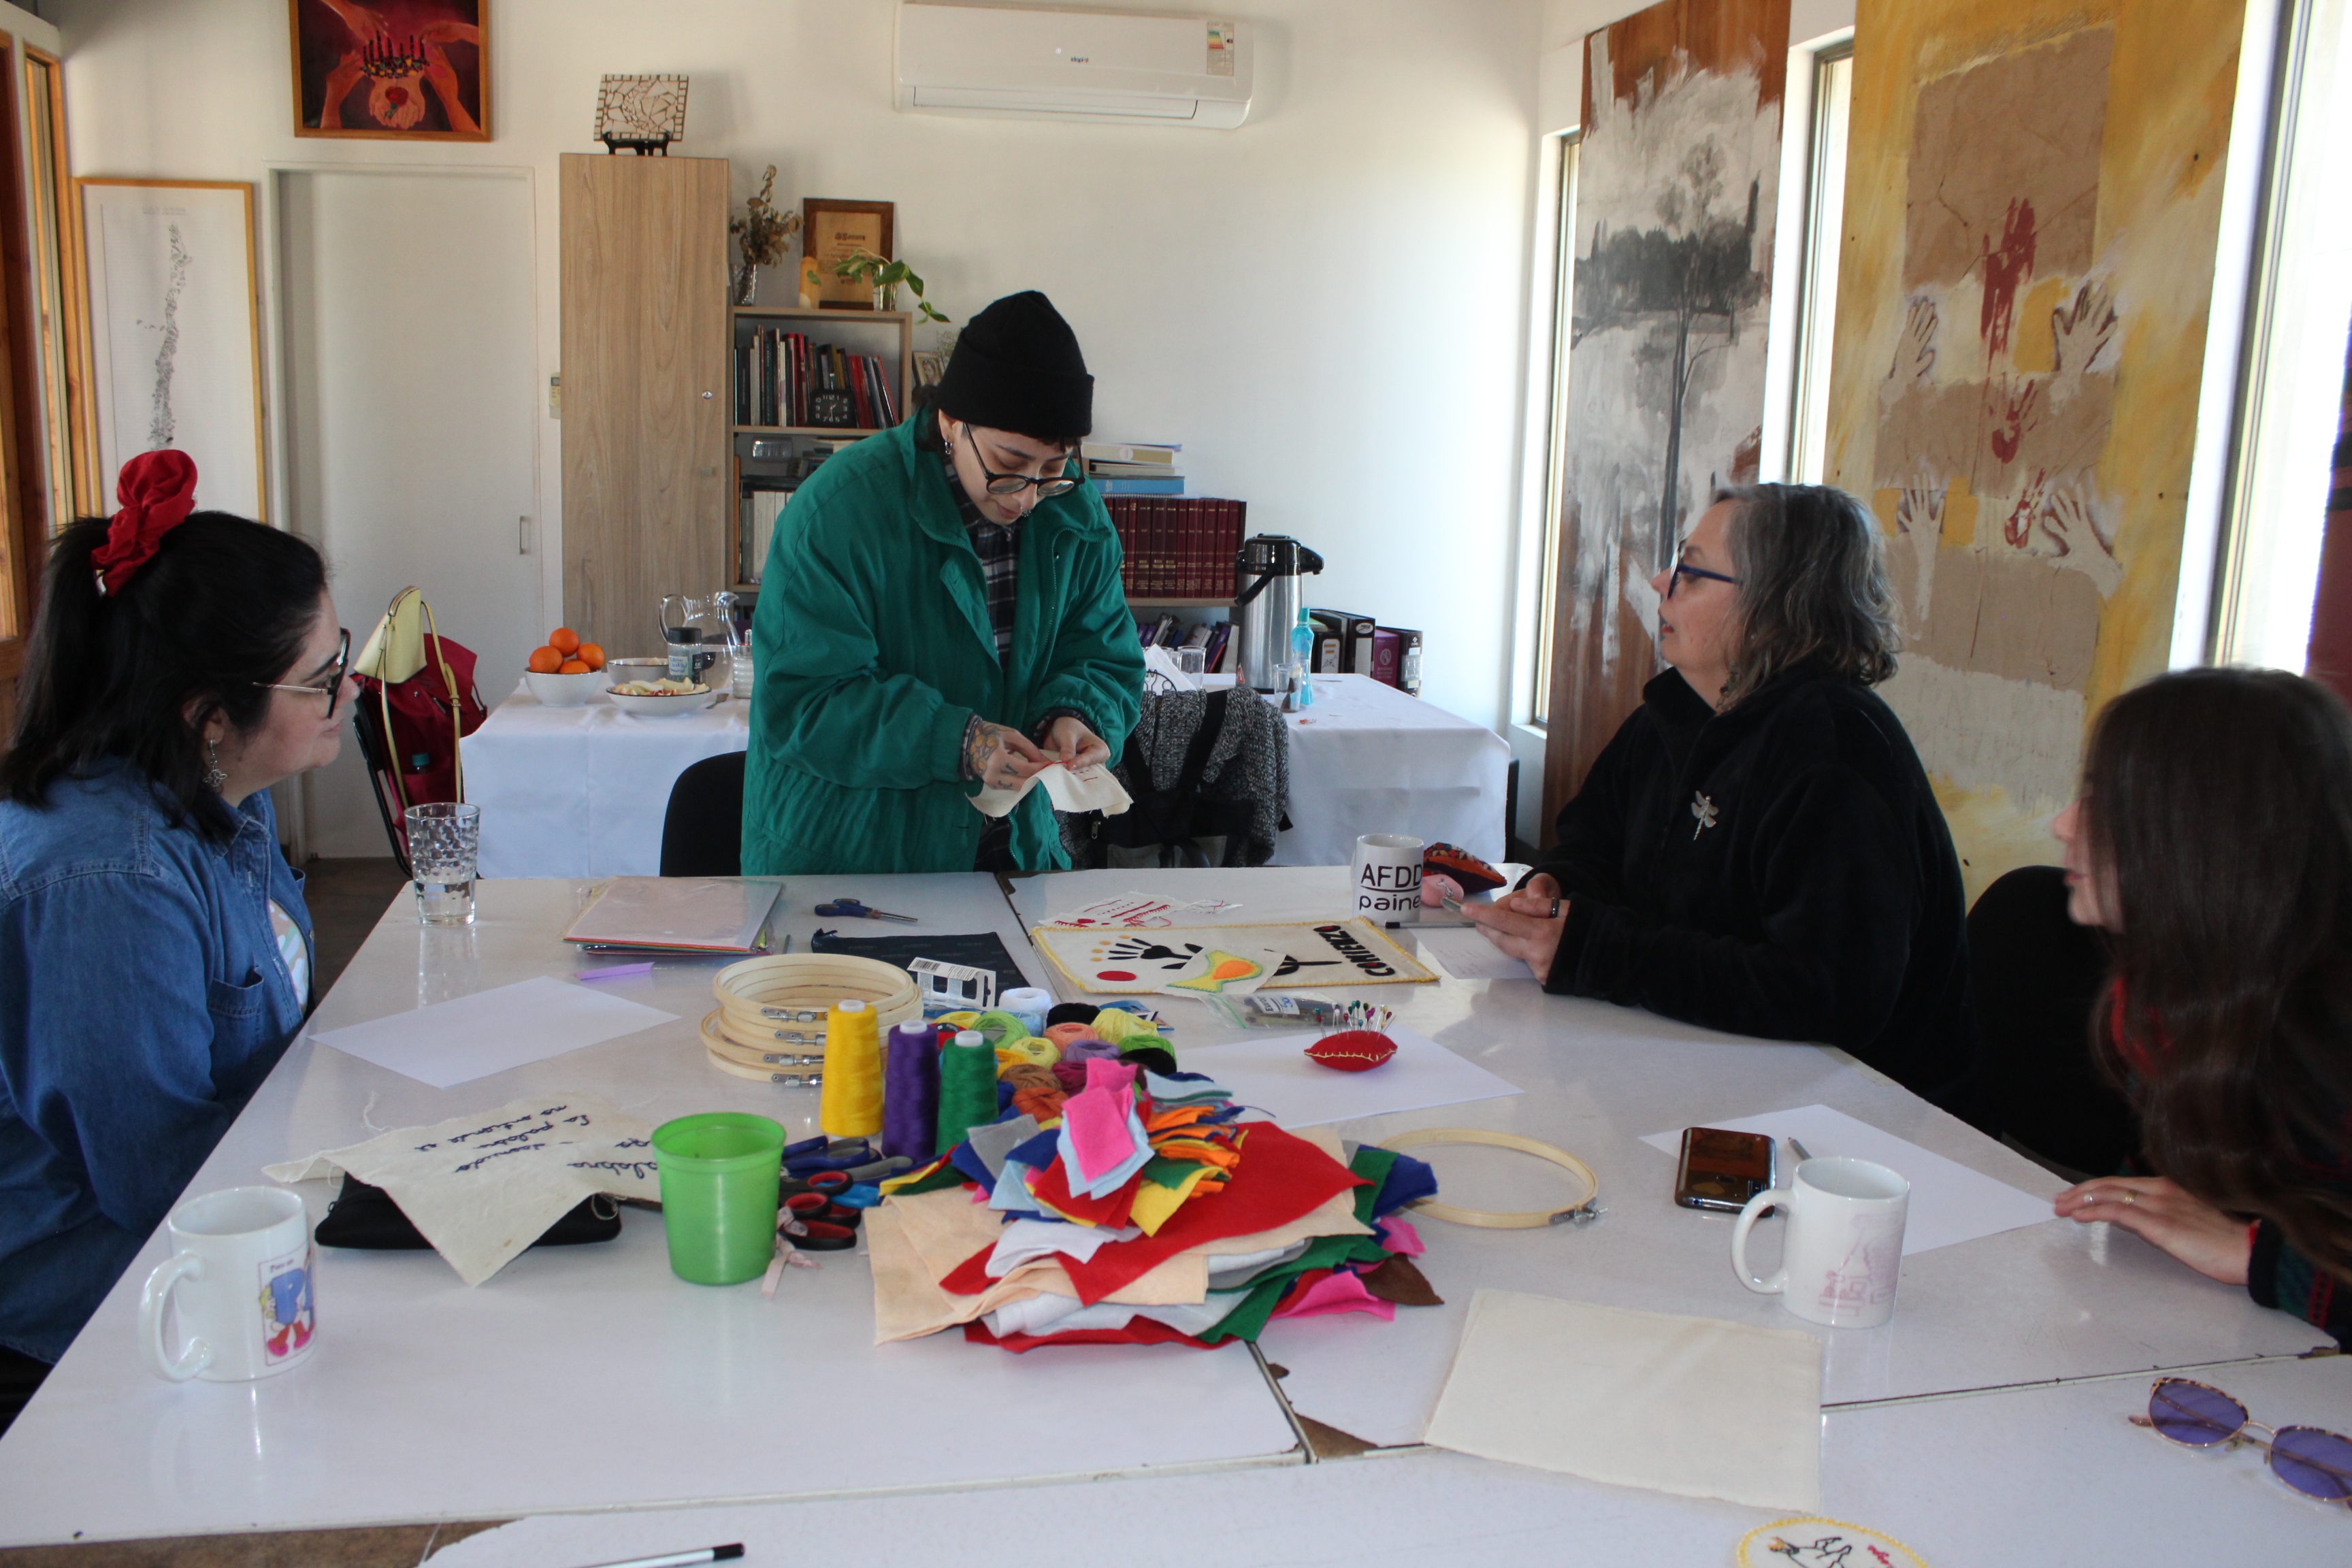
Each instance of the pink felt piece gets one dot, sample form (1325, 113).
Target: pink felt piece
(1098, 1122)
(1110, 1073)
(1397, 1235)
(1340, 1292)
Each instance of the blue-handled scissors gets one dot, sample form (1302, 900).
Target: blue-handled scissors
(852, 909)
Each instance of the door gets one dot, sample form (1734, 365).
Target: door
(411, 370)
(647, 490)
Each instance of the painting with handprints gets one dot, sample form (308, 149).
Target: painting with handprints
(392, 69)
(175, 334)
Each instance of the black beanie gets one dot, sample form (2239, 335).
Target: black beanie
(1017, 367)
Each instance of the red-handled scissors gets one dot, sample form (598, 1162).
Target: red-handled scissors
(853, 910)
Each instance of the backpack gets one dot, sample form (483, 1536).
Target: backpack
(416, 702)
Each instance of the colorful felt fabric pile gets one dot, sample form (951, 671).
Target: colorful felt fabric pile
(1141, 1209)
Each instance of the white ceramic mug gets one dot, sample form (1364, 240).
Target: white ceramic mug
(241, 1275)
(1386, 876)
(1845, 1246)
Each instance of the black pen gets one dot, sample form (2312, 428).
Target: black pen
(681, 1559)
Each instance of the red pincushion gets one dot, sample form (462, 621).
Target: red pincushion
(1354, 1050)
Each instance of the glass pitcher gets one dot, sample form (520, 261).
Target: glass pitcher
(690, 627)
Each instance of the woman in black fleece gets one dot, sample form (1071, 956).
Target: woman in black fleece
(1757, 850)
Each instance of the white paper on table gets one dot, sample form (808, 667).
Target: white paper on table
(1091, 788)
(483, 1186)
(1950, 1201)
(490, 1031)
(1276, 1076)
(1688, 1405)
(1467, 954)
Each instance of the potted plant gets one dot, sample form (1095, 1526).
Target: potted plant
(885, 279)
(764, 232)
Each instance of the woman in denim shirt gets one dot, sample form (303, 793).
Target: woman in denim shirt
(154, 947)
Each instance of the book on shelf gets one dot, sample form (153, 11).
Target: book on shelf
(1355, 634)
(1103, 468)
(762, 505)
(1407, 672)
(1113, 452)
(1178, 547)
(1385, 649)
(1134, 486)
(1220, 636)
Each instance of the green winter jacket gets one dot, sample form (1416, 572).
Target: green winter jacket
(873, 647)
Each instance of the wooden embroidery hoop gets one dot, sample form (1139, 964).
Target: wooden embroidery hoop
(1583, 1212)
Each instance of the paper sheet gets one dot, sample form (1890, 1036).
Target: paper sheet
(490, 1031)
(1091, 788)
(1688, 1406)
(1950, 1201)
(1467, 954)
(483, 1186)
(1275, 1074)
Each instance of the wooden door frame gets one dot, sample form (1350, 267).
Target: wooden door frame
(22, 508)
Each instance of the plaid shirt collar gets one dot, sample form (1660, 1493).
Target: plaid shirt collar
(998, 545)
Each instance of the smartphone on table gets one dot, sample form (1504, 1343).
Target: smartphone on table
(1722, 1170)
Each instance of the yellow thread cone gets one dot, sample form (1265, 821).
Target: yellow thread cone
(852, 1106)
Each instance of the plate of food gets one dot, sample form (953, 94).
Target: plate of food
(662, 698)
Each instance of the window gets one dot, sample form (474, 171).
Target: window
(1556, 479)
(1817, 282)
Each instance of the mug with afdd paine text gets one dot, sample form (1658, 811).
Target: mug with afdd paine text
(1845, 1246)
(1386, 876)
(240, 1279)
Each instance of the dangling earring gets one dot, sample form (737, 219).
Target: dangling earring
(215, 775)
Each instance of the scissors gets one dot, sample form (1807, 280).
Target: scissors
(855, 911)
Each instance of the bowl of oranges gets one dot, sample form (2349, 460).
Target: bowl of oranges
(565, 672)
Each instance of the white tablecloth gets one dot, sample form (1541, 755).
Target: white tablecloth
(580, 792)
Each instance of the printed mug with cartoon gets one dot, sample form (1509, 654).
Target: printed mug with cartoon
(240, 1277)
(1843, 1251)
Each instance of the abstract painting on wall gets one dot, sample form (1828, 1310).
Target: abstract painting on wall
(1676, 183)
(175, 331)
(2031, 210)
(402, 70)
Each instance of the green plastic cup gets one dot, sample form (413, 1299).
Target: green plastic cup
(719, 1172)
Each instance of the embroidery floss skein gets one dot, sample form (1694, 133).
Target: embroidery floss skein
(852, 1103)
(967, 1087)
(911, 1095)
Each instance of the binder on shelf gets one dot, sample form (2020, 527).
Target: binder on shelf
(1407, 659)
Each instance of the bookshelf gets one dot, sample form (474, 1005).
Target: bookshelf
(888, 335)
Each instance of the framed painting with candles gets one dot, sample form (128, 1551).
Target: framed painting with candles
(394, 70)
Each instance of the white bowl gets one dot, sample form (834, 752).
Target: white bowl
(665, 707)
(566, 690)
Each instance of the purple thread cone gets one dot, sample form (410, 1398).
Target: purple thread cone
(910, 1094)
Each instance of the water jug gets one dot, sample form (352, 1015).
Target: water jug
(1269, 595)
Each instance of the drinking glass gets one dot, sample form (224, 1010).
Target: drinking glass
(1192, 661)
(444, 842)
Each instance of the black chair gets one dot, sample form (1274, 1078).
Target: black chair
(702, 830)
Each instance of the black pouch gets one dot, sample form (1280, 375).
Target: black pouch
(367, 1218)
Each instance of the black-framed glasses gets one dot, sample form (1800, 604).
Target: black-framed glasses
(2314, 1462)
(333, 690)
(1685, 569)
(1048, 485)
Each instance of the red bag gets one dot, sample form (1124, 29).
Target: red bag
(416, 702)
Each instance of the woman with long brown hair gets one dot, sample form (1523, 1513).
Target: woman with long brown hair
(2213, 847)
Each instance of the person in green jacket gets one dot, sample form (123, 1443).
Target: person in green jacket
(942, 609)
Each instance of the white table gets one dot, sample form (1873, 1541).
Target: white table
(580, 792)
(589, 1379)
(2026, 1476)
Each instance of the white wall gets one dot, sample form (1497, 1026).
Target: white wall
(1327, 307)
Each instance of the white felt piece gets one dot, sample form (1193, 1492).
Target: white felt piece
(1091, 788)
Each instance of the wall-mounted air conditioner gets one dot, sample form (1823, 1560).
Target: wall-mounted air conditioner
(1128, 66)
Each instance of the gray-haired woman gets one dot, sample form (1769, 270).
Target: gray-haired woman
(1758, 849)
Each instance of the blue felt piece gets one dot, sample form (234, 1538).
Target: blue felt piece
(1039, 1151)
(965, 1158)
(1409, 1181)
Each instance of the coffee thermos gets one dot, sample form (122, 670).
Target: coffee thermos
(1268, 594)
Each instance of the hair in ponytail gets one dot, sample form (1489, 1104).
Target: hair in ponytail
(222, 610)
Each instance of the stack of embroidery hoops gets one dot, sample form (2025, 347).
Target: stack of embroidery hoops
(771, 1018)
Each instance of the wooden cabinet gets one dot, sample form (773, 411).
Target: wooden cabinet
(648, 494)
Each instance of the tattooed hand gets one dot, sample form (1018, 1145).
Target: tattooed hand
(998, 756)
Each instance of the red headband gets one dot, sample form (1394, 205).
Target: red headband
(157, 490)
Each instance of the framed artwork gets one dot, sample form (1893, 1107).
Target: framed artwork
(175, 332)
(392, 71)
(833, 231)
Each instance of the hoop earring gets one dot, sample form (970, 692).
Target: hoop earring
(214, 776)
